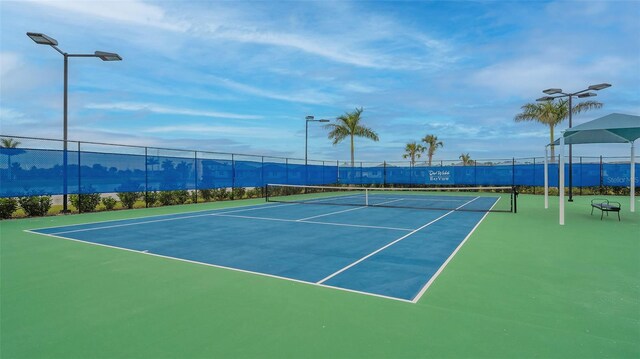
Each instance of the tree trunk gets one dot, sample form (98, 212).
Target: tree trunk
(553, 152)
(430, 156)
(352, 159)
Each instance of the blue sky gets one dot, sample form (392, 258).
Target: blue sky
(239, 76)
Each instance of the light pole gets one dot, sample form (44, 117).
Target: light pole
(579, 94)
(43, 39)
(306, 142)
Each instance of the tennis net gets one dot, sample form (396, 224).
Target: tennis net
(477, 199)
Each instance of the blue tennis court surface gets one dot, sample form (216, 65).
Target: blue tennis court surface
(390, 252)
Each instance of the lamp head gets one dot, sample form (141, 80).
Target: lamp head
(546, 98)
(599, 86)
(552, 91)
(42, 39)
(324, 120)
(587, 94)
(108, 56)
(309, 118)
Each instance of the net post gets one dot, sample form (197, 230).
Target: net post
(366, 197)
(514, 196)
(266, 192)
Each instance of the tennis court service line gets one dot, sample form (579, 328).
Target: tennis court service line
(167, 219)
(392, 243)
(312, 222)
(346, 210)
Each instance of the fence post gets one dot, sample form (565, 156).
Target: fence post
(580, 175)
(233, 175)
(323, 181)
(513, 171)
(338, 171)
(475, 173)
(146, 178)
(195, 169)
(361, 179)
(286, 170)
(79, 182)
(384, 174)
(601, 175)
(534, 175)
(262, 183)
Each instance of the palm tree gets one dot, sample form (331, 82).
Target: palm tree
(433, 143)
(10, 144)
(413, 150)
(552, 113)
(466, 159)
(348, 125)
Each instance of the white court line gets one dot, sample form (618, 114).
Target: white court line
(437, 273)
(167, 219)
(312, 222)
(347, 210)
(225, 267)
(152, 216)
(392, 243)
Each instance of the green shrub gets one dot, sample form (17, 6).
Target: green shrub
(166, 198)
(220, 194)
(180, 196)
(128, 199)
(254, 192)
(86, 202)
(238, 192)
(206, 194)
(109, 203)
(151, 198)
(35, 205)
(7, 207)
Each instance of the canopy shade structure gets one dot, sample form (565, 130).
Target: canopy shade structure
(612, 128)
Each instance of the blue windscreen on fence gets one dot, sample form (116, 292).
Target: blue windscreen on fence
(25, 171)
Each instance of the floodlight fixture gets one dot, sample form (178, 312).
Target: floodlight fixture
(324, 120)
(599, 87)
(309, 118)
(108, 56)
(42, 39)
(552, 91)
(579, 94)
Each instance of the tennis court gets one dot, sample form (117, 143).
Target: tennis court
(366, 246)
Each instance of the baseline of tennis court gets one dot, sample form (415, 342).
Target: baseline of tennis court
(390, 252)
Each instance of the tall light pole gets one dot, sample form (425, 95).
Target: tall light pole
(43, 39)
(579, 94)
(306, 142)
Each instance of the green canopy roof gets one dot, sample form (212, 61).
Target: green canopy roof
(613, 128)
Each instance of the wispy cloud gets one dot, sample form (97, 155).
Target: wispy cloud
(132, 11)
(231, 131)
(308, 96)
(166, 110)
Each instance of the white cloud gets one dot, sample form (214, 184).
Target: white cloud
(155, 108)
(231, 131)
(304, 96)
(134, 12)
